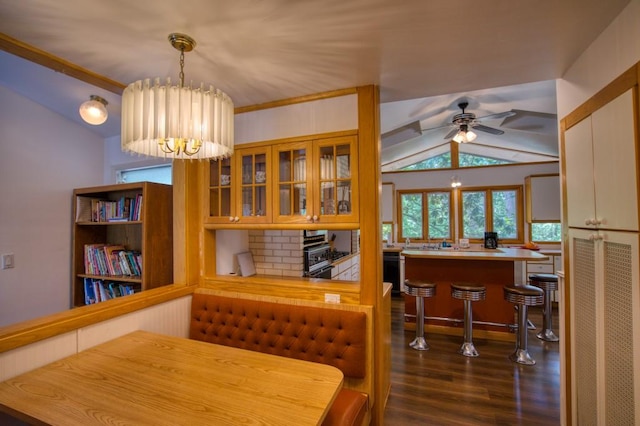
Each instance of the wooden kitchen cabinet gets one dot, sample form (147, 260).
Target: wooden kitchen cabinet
(600, 160)
(240, 187)
(316, 181)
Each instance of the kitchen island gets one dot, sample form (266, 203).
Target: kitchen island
(494, 268)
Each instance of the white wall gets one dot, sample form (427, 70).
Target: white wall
(612, 53)
(43, 156)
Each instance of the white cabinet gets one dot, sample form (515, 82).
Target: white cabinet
(600, 160)
(347, 269)
(543, 198)
(605, 326)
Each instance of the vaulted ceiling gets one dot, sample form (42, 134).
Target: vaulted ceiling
(426, 56)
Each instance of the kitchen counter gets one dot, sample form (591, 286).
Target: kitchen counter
(506, 254)
(493, 268)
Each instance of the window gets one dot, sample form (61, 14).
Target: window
(492, 209)
(425, 215)
(158, 174)
(387, 232)
(442, 161)
(545, 232)
(471, 160)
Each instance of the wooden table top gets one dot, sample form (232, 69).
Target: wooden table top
(144, 378)
(508, 254)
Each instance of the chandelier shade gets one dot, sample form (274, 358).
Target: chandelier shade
(177, 121)
(161, 120)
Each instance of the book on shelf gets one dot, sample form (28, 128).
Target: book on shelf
(97, 290)
(111, 260)
(91, 209)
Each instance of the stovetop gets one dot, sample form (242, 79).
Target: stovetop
(335, 255)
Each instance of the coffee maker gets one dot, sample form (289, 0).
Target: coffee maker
(490, 240)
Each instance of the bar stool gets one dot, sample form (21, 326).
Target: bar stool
(523, 296)
(548, 283)
(419, 289)
(468, 292)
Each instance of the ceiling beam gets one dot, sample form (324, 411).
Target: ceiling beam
(33, 54)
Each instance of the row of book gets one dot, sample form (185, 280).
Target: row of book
(125, 209)
(111, 259)
(99, 290)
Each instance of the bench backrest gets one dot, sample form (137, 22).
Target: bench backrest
(329, 336)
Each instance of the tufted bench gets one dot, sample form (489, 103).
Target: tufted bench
(317, 334)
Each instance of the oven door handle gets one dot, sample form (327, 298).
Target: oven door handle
(320, 271)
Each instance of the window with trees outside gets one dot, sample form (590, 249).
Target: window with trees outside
(492, 209)
(545, 232)
(425, 215)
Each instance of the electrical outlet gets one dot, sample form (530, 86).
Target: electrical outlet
(331, 298)
(7, 261)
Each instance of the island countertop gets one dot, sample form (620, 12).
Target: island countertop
(506, 254)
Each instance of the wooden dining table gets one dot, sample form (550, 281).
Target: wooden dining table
(144, 378)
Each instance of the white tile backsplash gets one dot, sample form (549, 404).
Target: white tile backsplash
(277, 252)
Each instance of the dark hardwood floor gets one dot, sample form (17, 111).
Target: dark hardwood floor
(442, 387)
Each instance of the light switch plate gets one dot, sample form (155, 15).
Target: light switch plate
(331, 298)
(7, 261)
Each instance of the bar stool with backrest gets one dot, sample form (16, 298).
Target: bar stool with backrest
(468, 292)
(419, 289)
(523, 296)
(548, 283)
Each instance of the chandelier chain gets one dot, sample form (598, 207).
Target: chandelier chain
(181, 67)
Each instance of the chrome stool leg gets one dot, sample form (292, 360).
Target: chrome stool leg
(521, 354)
(419, 343)
(547, 333)
(467, 348)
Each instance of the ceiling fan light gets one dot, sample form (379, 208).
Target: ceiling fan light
(459, 137)
(471, 136)
(94, 111)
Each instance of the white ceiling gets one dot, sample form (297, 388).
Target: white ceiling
(425, 55)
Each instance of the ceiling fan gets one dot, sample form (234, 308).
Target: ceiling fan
(464, 123)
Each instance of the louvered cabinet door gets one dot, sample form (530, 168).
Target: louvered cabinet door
(605, 314)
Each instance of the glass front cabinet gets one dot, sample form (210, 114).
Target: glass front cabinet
(239, 187)
(316, 181)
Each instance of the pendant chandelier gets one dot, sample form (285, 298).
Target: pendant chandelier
(177, 122)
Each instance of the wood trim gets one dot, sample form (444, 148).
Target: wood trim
(31, 331)
(297, 100)
(621, 84)
(371, 238)
(295, 139)
(40, 57)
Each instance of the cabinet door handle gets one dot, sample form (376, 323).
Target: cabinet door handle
(231, 219)
(308, 218)
(236, 219)
(315, 218)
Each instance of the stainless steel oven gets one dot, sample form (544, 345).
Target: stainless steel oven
(317, 261)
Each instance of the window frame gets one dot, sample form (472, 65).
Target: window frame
(488, 190)
(425, 212)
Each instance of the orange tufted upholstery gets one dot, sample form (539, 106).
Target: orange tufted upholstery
(327, 336)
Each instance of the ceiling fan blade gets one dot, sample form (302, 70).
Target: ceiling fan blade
(498, 115)
(452, 133)
(487, 129)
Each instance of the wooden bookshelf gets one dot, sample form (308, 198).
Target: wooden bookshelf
(150, 233)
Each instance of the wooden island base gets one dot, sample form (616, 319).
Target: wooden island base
(494, 317)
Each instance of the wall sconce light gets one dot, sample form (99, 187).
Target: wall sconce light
(94, 111)
(455, 182)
